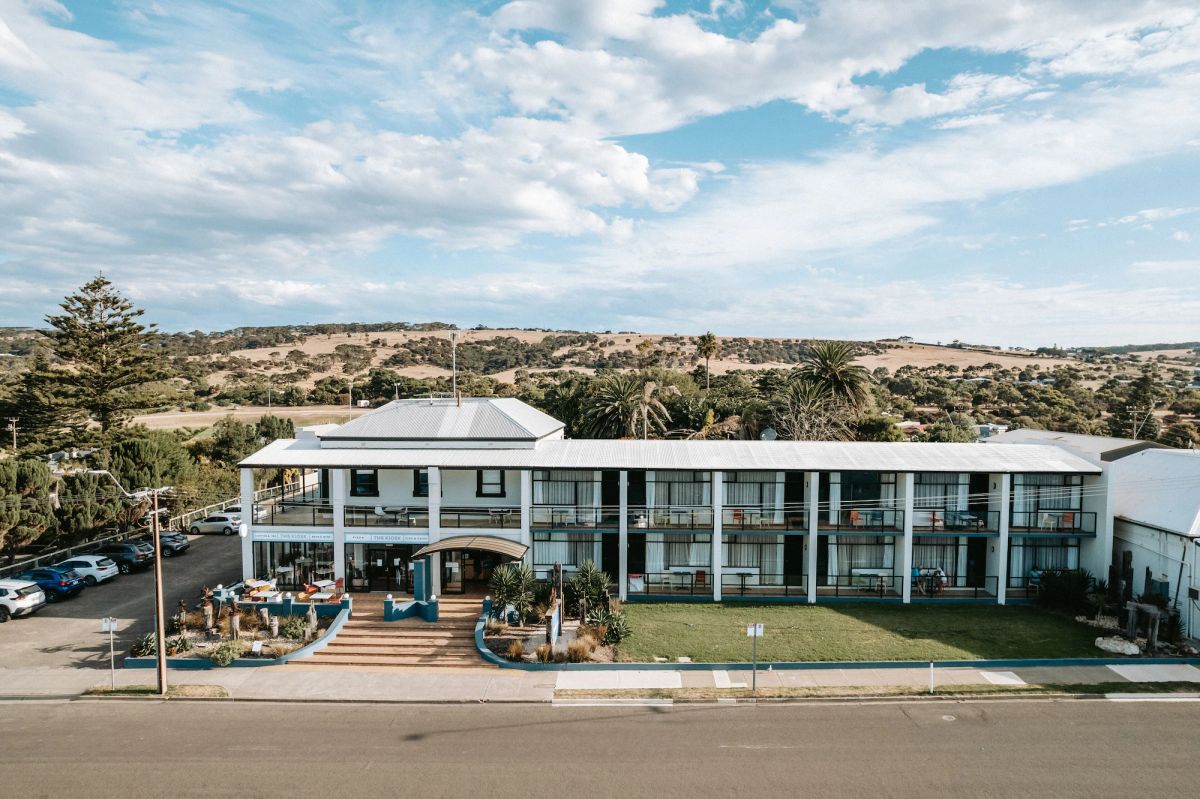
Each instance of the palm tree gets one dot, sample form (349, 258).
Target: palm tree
(619, 404)
(707, 347)
(804, 411)
(830, 366)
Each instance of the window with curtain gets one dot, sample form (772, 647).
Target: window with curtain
(749, 489)
(863, 552)
(682, 488)
(762, 552)
(939, 491)
(936, 552)
(563, 487)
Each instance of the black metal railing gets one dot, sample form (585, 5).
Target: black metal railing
(956, 521)
(791, 516)
(301, 514)
(932, 584)
(671, 517)
(740, 581)
(552, 517)
(865, 520)
(863, 583)
(690, 581)
(501, 517)
(1067, 522)
(359, 516)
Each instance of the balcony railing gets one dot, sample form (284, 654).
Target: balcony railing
(955, 521)
(791, 516)
(747, 581)
(1067, 522)
(415, 516)
(299, 514)
(552, 517)
(682, 581)
(865, 520)
(502, 517)
(931, 585)
(863, 583)
(671, 517)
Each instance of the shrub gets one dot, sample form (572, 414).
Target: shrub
(495, 627)
(146, 646)
(615, 623)
(179, 643)
(587, 586)
(513, 584)
(226, 652)
(515, 651)
(1065, 590)
(544, 653)
(580, 650)
(295, 628)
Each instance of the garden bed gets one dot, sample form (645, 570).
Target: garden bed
(716, 633)
(193, 643)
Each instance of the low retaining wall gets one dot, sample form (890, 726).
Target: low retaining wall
(204, 663)
(395, 611)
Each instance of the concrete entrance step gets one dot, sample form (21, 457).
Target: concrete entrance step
(452, 652)
(401, 661)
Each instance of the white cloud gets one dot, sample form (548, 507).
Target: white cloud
(1185, 268)
(1181, 236)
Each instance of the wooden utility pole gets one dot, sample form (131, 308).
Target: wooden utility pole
(160, 625)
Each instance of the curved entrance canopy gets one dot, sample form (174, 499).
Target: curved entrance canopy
(485, 543)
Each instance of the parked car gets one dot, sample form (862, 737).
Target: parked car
(19, 598)
(260, 511)
(56, 583)
(129, 555)
(173, 542)
(94, 569)
(224, 522)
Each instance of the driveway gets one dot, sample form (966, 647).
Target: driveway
(67, 634)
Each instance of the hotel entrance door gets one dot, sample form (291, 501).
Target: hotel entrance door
(380, 567)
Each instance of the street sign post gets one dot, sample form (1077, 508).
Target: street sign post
(109, 625)
(755, 632)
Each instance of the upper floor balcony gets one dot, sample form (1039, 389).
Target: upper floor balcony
(791, 517)
(939, 520)
(1053, 521)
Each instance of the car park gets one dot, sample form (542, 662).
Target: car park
(173, 542)
(94, 569)
(224, 523)
(20, 598)
(129, 555)
(55, 583)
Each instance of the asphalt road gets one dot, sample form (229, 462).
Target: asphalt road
(927, 749)
(67, 634)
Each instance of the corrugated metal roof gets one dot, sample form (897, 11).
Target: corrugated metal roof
(698, 455)
(487, 543)
(477, 418)
(1159, 487)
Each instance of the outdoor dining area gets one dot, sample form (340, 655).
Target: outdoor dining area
(267, 590)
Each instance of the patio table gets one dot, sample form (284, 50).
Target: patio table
(321, 596)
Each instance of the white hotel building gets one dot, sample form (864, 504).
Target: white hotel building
(480, 481)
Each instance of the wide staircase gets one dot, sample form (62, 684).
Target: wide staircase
(367, 641)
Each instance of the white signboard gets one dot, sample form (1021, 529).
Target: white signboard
(387, 538)
(108, 625)
(297, 536)
(754, 630)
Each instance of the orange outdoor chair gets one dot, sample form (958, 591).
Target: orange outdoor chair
(1066, 521)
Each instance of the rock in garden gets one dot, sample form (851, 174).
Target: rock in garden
(1117, 645)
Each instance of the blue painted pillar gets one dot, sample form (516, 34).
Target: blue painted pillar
(421, 585)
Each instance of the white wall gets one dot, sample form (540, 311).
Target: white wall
(1162, 553)
(458, 490)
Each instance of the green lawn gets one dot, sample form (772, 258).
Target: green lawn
(851, 631)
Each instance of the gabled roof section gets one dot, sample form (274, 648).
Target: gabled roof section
(437, 419)
(1098, 449)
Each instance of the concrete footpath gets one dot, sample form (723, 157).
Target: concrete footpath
(310, 683)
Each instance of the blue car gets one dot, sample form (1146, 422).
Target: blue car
(55, 583)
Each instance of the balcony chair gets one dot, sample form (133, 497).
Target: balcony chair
(1066, 521)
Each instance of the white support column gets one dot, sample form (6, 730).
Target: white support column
(435, 529)
(718, 502)
(910, 481)
(526, 505)
(338, 479)
(247, 491)
(812, 491)
(1002, 541)
(623, 536)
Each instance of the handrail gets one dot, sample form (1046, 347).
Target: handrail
(499, 516)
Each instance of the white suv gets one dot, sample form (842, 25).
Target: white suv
(19, 598)
(94, 569)
(224, 523)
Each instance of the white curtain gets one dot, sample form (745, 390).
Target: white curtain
(762, 552)
(678, 488)
(564, 487)
(936, 552)
(750, 489)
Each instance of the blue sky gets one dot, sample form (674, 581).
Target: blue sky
(1003, 172)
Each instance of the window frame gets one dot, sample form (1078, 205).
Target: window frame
(355, 491)
(479, 485)
(418, 489)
